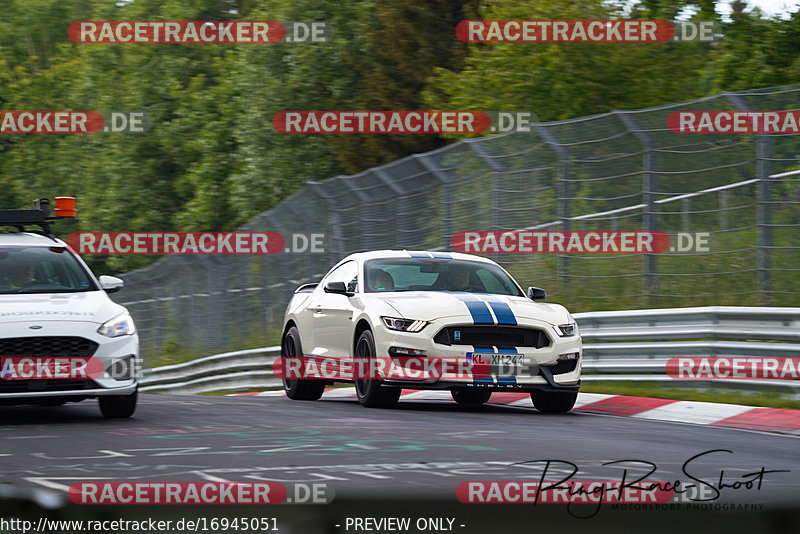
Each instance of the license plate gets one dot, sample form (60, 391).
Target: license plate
(499, 365)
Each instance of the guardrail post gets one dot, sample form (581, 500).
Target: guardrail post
(649, 221)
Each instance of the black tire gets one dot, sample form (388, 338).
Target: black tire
(371, 392)
(118, 406)
(471, 397)
(297, 389)
(554, 401)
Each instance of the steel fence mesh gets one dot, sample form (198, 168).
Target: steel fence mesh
(622, 170)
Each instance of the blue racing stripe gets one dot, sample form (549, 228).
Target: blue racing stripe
(477, 308)
(501, 310)
(506, 379)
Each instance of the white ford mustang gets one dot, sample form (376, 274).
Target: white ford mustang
(388, 320)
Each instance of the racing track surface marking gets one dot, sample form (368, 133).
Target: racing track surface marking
(699, 413)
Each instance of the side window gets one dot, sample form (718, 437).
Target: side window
(347, 273)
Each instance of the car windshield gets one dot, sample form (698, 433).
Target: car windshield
(41, 270)
(423, 274)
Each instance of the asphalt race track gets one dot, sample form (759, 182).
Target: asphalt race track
(415, 453)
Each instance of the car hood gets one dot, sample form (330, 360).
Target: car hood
(91, 306)
(431, 305)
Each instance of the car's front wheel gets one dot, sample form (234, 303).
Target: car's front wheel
(471, 397)
(371, 392)
(554, 401)
(298, 389)
(118, 406)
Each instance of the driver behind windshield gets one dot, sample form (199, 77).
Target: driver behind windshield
(20, 274)
(457, 278)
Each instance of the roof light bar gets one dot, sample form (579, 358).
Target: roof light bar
(39, 215)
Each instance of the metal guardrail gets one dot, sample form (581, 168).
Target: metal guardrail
(631, 346)
(231, 371)
(709, 322)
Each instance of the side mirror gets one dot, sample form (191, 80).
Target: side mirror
(339, 288)
(111, 284)
(536, 293)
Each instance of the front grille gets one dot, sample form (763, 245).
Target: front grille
(25, 386)
(492, 336)
(47, 346)
(563, 366)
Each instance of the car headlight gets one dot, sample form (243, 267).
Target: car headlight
(566, 330)
(403, 325)
(121, 325)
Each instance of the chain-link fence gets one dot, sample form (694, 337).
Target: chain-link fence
(623, 170)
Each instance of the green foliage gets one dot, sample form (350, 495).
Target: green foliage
(567, 80)
(212, 160)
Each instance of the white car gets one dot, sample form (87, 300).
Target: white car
(62, 339)
(452, 313)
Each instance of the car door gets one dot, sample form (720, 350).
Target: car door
(332, 313)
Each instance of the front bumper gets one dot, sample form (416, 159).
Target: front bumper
(110, 351)
(542, 360)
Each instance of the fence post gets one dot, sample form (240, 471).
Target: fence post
(309, 224)
(723, 209)
(497, 168)
(648, 192)
(285, 271)
(336, 240)
(563, 188)
(763, 208)
(366, 235)
(686, 207)
(448, 197)
(391, 183)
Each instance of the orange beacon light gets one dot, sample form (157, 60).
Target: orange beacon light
(65, 207)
